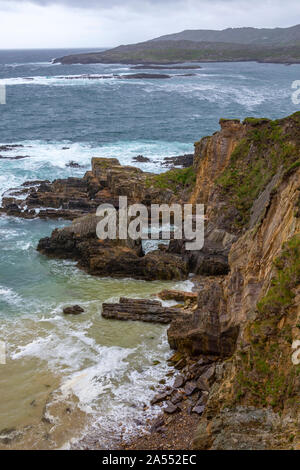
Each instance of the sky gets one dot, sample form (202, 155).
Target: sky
(108, 23)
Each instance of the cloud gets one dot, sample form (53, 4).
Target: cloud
(97, 4)
(107, 23)
(138, 4)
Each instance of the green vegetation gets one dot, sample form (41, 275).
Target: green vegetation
(256, 121)
(186, 50)
(223, 120)
(260, 380)
(267, 147)
(175, 179)
(280, 294)
(294, 167)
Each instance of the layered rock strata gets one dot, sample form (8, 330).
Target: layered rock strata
(150, 311)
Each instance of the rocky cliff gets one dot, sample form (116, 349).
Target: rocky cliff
(249, 176)
(238, 349)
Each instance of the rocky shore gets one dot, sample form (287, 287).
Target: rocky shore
(235, 337)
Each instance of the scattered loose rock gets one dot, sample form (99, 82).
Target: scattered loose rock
(183, 161)
(190, 388)
(72, 164)
(171, 408)
(199, 409)
(179, 381)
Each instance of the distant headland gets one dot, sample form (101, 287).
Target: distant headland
(277, 45)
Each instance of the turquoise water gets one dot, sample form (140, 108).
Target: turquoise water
(102, 369)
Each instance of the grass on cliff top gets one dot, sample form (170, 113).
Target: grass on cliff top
(267, 147)
(267, 376)
(176, 179)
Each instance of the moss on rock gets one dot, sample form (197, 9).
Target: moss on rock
(175, 179)
(267, 148)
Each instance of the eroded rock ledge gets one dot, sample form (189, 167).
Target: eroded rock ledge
(75, 197)
(150, 311)
(114, 258)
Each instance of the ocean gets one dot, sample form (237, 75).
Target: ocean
(65, 378)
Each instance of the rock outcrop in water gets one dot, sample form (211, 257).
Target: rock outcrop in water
(116, 258)
(150, 311)
(75, 310)
(71, 198)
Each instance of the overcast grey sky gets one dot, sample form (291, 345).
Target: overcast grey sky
(96, 23)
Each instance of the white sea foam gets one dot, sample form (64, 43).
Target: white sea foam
(26, 64)
(115, 393)
(55, 80)
(186, 286)
(10, 297)
(110, 382)
(92, 382)
(63, 349)
(24, 246)
(219, 91)
(71, 80)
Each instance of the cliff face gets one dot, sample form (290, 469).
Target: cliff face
(255, 400)
(250, 317)
(212, 156)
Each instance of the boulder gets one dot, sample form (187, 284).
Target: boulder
(171, 408)
(71, 163)
(190, 388)
(160, 397)
(184, 161)
(199, 409)
(179, 381)
(179, 296)
(141, 159)
(74, 310)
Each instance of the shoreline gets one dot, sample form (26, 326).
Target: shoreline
(166, 432)
(156, 432)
